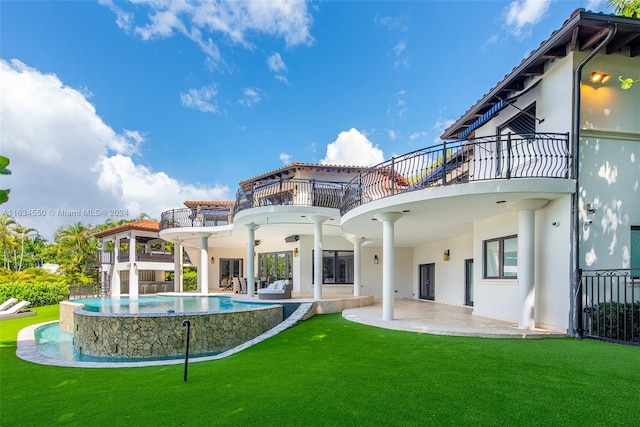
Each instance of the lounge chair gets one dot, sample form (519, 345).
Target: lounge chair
(16, 308)
(280, 289)
(8, 303)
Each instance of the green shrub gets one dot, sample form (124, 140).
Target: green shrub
(190, 280)
(615, 321)
(38, 294)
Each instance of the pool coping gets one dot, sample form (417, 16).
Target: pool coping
(27, 350)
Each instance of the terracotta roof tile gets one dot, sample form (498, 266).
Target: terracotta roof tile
(142, 225)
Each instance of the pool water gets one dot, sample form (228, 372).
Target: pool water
(163, 304)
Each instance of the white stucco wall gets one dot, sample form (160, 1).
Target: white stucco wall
(497, 299)
(553, 264)
(609, 163)
(449, 275)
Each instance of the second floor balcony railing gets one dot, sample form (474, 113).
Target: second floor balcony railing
(186, 217)
(540, 155)
(297, 192)
(153, 256)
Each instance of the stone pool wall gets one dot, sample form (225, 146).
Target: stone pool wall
(162, 335)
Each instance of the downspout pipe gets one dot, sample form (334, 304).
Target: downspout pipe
(576, 298)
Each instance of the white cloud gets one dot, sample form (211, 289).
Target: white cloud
(593, 5)
(251, 97)
(440, 126)
(416, 135)
(391, 134)
(352, 148)
(63, 156)
(285, 158)
(200, 99)
(276, 64)
(521, 14)
(203, 21)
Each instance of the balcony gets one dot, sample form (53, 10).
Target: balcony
(107, 257)
(540, 155)
(204, 217)
(295, 192)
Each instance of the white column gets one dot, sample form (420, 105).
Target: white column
(177, 265)
(251, 262)
(357, 263)
(133, 270)
(115, 273)
(318, 220)
(526, 258)
(181, 288)
(203, 271)
(388, 261)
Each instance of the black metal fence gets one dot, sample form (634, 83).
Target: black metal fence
(298, 192)
(540, 155)
(611, 305)
(202, 217)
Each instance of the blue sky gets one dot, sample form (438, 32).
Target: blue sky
(135, 106)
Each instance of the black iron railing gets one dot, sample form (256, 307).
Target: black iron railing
(123, 256)
(298, 192)
(540, 155)
(203, 217)
(611, 305)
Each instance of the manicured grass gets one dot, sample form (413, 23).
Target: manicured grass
(327, 371)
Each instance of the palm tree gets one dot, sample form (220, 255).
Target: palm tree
(7, 226)
(629, 8)
(23, 232)
(77, 244)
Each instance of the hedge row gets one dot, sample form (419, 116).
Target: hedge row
(38, 294)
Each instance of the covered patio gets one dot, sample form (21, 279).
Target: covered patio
(442, 319)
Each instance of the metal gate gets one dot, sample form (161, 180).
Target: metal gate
(611, 305)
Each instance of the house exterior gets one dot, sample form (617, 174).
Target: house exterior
(537, 183)
(133, 260)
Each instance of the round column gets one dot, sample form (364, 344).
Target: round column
(177, 265)
(357, 263)
(133, 270)
(251, 263)
(388, 220)
(203, 271)
(318, 220)
(526, 258)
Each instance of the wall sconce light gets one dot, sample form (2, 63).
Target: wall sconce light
(375, 259)
(599, 77)
(446, 255)
(213, 259)
(295, 251)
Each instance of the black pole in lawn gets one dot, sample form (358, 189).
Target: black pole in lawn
(186, 323)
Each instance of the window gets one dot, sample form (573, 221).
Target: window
(635, 251)
(275, 265)
(337, 267)
(501, 258)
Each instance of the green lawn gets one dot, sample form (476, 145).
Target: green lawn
(327, 371)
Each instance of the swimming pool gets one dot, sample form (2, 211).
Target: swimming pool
(151, 327)
(163, 304)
